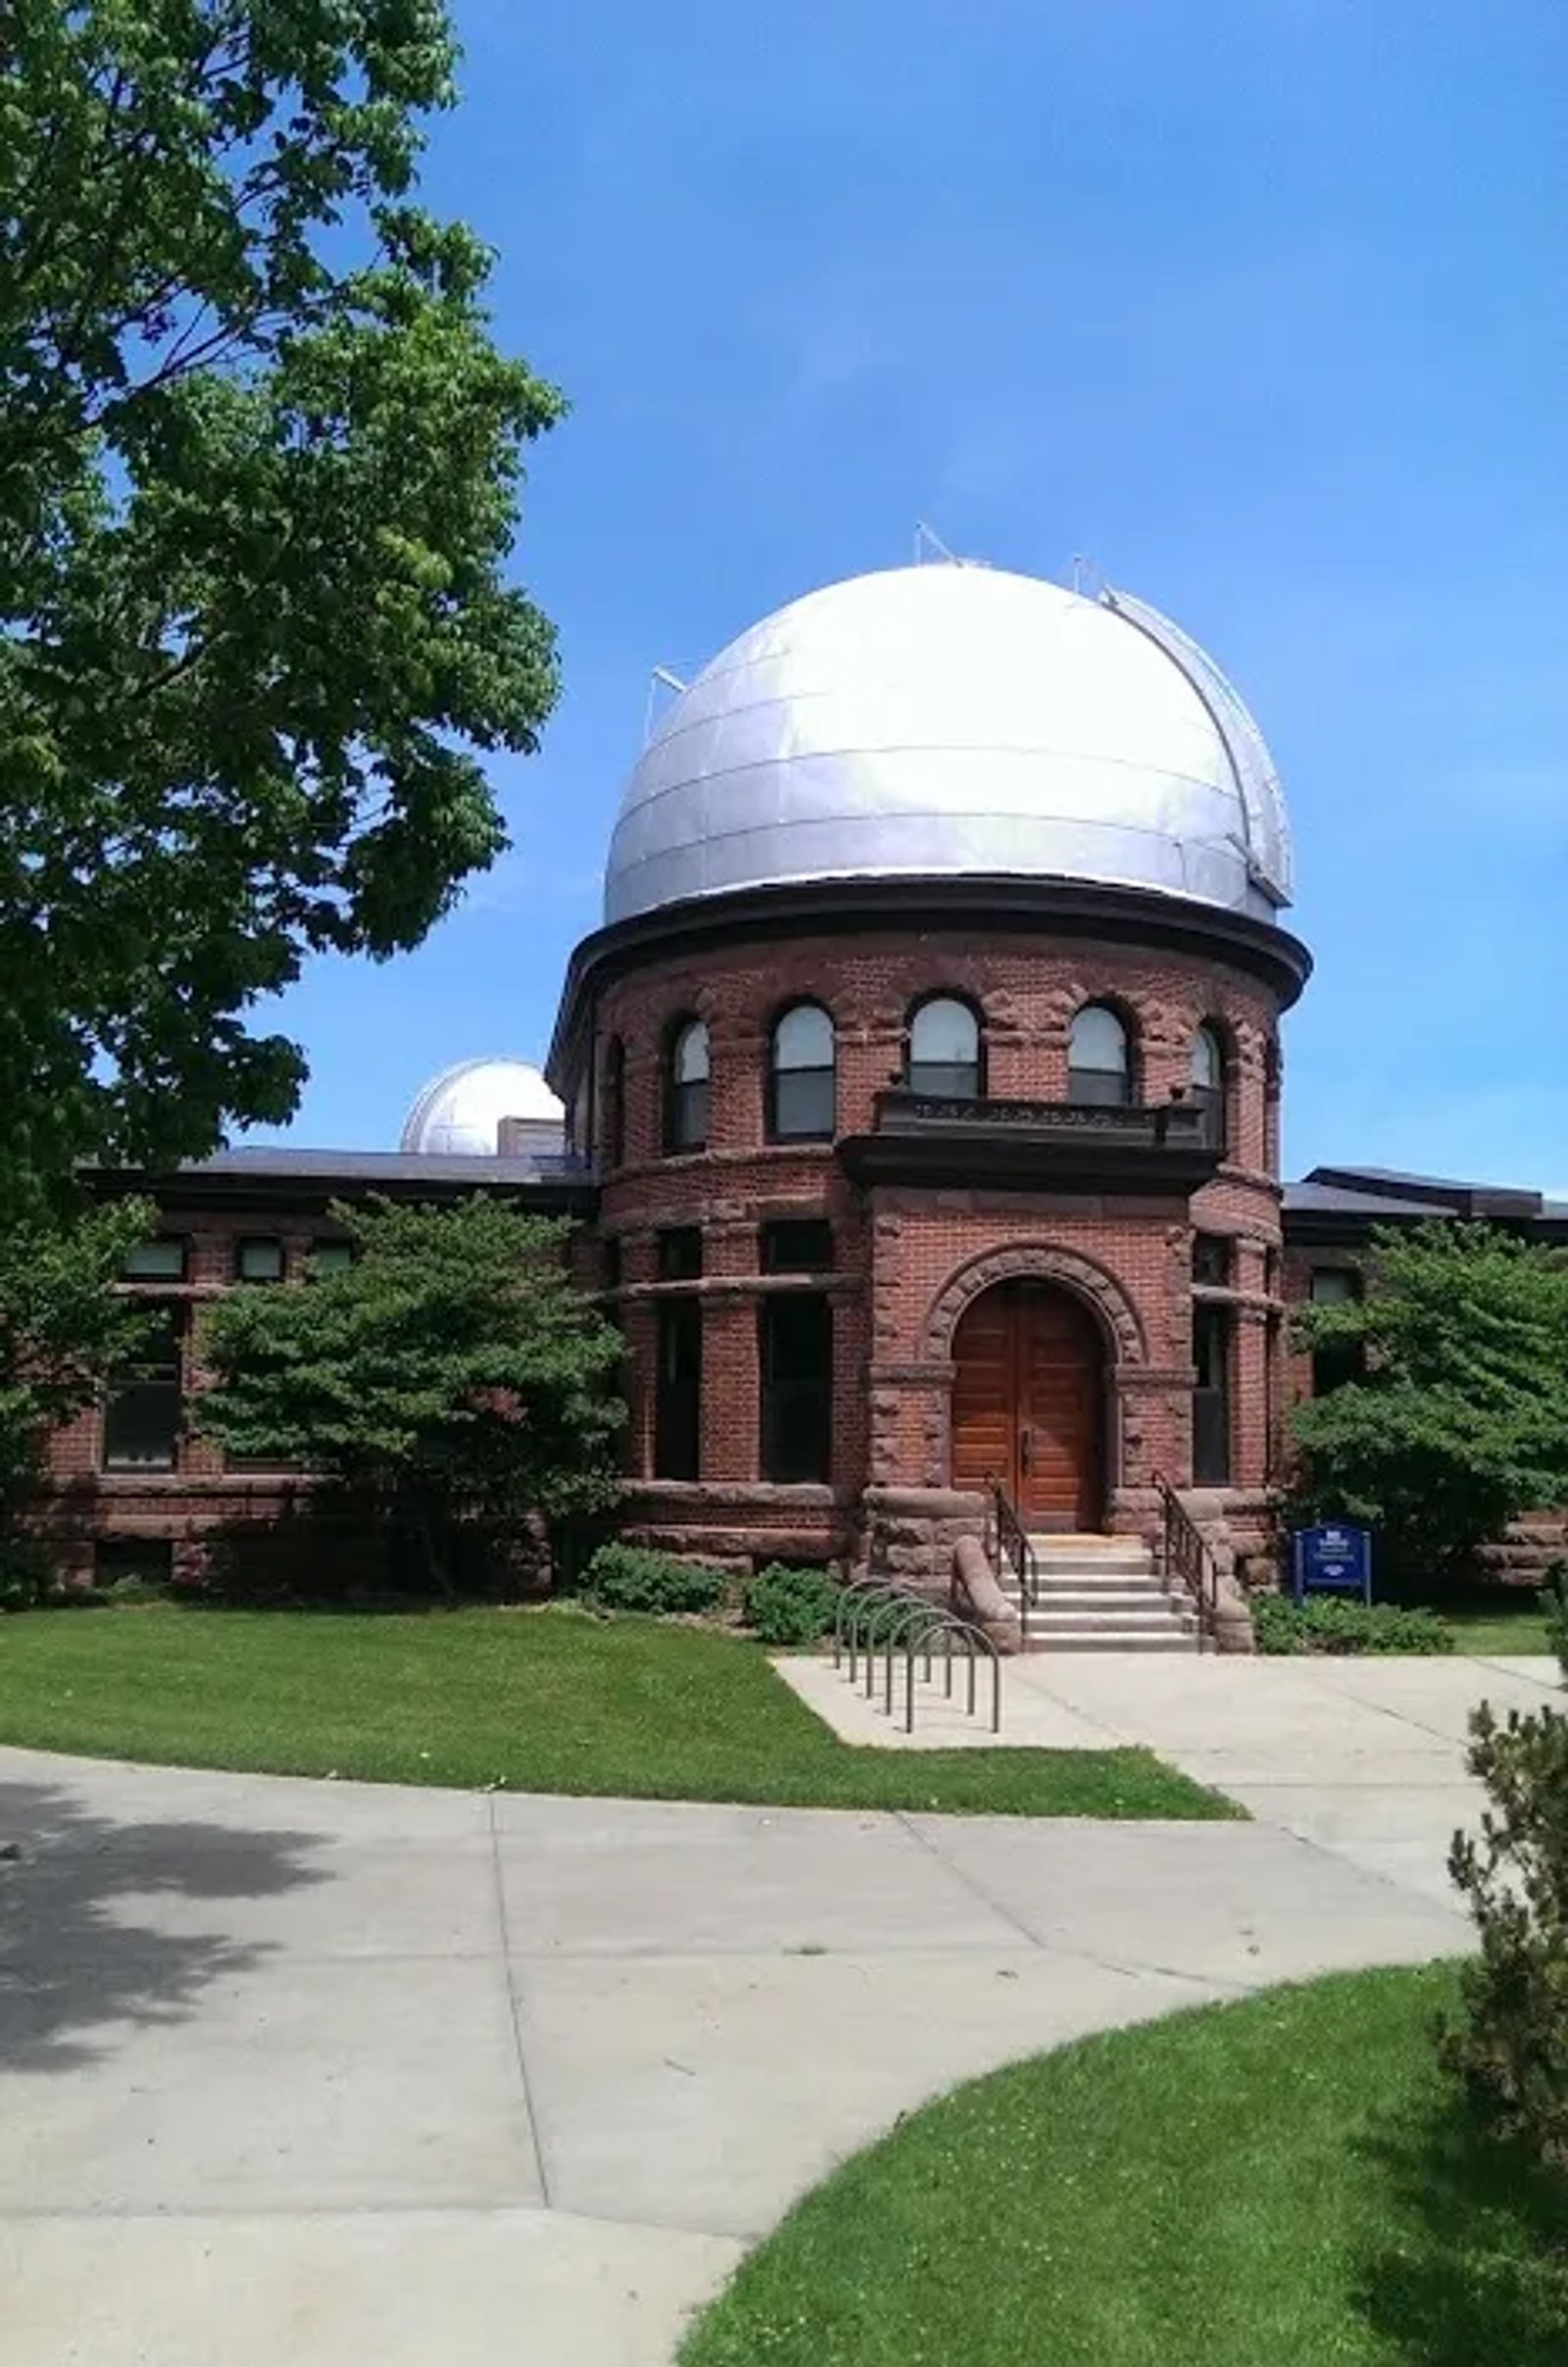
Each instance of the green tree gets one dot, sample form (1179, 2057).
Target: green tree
(63, 1330)
(259, 470)
(1460, 1420)
(1511, 2049)
(453, 1378)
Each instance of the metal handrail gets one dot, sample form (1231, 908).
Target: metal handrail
(1008, 1539)
(1185, 1554)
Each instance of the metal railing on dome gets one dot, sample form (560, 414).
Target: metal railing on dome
(879, 1622)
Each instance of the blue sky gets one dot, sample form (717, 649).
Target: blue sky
(1263, 307)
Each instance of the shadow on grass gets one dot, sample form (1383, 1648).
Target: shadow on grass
(1479, 2271)
(75, 1953)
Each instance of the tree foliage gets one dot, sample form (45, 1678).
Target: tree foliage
(259, 469)
(64, 1329)
(454, 1374)
(1512, 2048)
(1459, 1421)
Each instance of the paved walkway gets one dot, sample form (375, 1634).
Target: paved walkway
(331, 2072)
(1360, 1758)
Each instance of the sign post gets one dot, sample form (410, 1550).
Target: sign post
(1332, 1558)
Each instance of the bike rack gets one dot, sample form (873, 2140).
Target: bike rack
(880, 1618)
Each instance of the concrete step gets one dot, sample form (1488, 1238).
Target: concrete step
(1076, 1596)
(1081, 1639)
(1105, 1623)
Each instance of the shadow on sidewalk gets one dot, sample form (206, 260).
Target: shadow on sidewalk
(74, 1955)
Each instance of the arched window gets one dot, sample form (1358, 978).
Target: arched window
(1098, 1064)
(686, 1092)
(613, 1104)
(801, 1075)
(945, 1050)
(1208, 1083)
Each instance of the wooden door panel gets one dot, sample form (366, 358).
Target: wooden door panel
(1028, 1403)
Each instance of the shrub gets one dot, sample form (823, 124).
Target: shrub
(792, 1606)
(635, 1578)
(1323, 1624)
(1511, 2051)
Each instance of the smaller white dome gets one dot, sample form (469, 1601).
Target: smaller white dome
(459, 1113)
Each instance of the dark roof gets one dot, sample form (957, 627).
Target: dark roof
(279, 1179)
(387, 1166)
(1347, 1197)
(1332, 1199)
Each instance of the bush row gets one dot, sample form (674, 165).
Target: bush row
(1325, 1625)
(782, 1606)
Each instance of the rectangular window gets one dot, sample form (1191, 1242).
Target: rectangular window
(678, 1395)
(330, 1257)
(1211, 1258)
(1211, 1400)
(803, 1103)
(142, 1409)
(1336, 1361)
(258, 1259)
(796, 1358)
(797, 1245)
(680, 1254)
(146, 1560)
(609, 1262)
(160, 1260)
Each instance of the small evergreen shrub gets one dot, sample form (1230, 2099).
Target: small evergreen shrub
(791, 1606)
(635, 1578)
(1325, 1624)
(1511, 2049)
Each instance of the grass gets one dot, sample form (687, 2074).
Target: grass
(1289, 2179)
(551, 1700)
(1492, 1630)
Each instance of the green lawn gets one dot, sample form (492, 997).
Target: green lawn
(1490, 1631)
(1284, 2181)
(548, 1700)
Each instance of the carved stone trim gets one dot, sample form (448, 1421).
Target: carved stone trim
(1037, 1261)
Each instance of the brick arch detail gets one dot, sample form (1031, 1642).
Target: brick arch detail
(1037, 1261)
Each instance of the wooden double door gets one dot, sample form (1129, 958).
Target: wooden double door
(1029, 1404)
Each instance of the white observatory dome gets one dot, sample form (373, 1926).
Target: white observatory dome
(954, 719)
(459, 1113)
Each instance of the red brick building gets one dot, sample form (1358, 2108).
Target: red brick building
(920, 1096)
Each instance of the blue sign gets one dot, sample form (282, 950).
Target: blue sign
(1332, 1560)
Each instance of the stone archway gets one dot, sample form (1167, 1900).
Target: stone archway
(1036, 1339)
(1037, 1262)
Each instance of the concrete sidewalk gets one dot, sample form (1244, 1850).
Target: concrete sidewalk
(1363, 1757)
(329, 2072)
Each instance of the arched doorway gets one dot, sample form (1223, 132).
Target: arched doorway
(1029, 1403)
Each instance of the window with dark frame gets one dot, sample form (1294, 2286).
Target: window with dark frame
(142, 1408)
(797, 1245)
(678, 1389)
(133, 1561)
(794, 1360)
(330, 1257)
(680, 1254)
(686, 1105)
(945, 1050)
(1212, 1260)
(258, 1258)
(1335, 1362)
(613, 1097)
(1211, 1399)
(1099, 1069)
(802, 1079)
(163, 1260)
(1207, 1087)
